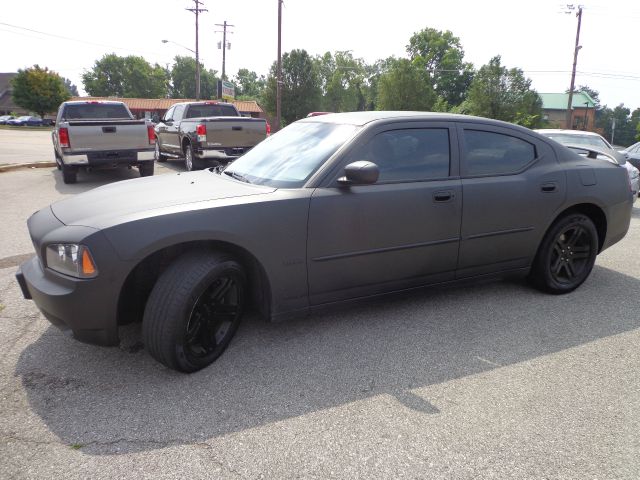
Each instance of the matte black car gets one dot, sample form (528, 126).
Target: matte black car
(332, 208)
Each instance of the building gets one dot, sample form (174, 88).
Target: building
(583, 110)
(155, 108)
(6, 100)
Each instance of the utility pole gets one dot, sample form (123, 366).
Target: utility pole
(197, 9)
(224, 45)
(575, 62)
(279, 73)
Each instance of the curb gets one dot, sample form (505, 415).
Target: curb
(18, 166)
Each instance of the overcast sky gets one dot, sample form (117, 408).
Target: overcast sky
(534, 36)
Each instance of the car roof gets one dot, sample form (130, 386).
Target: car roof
(544, 131)
(363, 118)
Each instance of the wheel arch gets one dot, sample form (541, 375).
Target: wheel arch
(594, 212)
(138, 284)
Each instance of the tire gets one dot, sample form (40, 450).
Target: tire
(566, 255)
(159, 157)
(190, 161)
(69, 174)
(194, 310)
(146, 169)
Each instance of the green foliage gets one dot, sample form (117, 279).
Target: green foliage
(405, 86)
(38, 90)
(301, 92)
(343, 82)
(441, 55)
(129, 76)
(503, 94)
(183, 78)
(248, 85)
(71, 88)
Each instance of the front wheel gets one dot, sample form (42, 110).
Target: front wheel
(566, 255)
(194, 310)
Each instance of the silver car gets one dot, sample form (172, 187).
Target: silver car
(591, 139)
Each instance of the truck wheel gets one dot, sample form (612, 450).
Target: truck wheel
(190, 161)
(159, 156)
(566, 255)
(194, 310)
(69, 174)
(146, 169)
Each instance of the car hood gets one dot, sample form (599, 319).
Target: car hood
(116, 202)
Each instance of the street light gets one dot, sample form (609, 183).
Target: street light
(197, 65)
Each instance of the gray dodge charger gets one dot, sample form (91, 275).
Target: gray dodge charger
(331, 209)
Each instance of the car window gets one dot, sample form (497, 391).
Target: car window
(167, 115)
(177, 113)
(577, 139)
(407, 155)
(107, 111)
(489, 153)
(211, 110)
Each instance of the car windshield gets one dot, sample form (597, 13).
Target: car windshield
(573, 139)
(289, 158)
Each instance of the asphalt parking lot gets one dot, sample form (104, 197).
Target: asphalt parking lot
(491, 380)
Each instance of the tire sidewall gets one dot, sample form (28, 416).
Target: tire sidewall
(225, 268)
(543, 260)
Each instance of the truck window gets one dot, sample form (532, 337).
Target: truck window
(93, 111)
(197, 111)
(177, 113)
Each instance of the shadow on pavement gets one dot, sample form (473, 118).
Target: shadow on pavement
(93, 179)
(115, 401)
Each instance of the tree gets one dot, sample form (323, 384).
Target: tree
(38, 90)
(503, 94)
(342, 81)
(441, 55)
(405, 86)
(301, 91)
(248, 84)
(183, 79)
(71, 88)
(131, 76)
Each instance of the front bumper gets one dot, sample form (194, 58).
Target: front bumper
(76, 304)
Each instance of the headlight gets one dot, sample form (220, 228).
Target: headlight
(71, 259)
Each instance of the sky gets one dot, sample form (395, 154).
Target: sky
(536, 37)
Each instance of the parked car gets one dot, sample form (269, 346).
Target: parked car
(330, 209)
(591, 139)
(25, 121)
(5, 118)
(207, 133)
(101, 134)
(633, 154)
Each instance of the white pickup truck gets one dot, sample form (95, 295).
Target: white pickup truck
(101, 134)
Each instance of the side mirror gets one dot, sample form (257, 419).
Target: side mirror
(360, 173)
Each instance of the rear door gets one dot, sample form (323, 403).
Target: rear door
(402, 231)
(512, 186)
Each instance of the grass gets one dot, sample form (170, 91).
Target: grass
(11, 127)
(76, 446)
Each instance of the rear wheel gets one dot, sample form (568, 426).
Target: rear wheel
(566, 255)
(188, 158)
(146, 169)
(194, 310)
(69, 174)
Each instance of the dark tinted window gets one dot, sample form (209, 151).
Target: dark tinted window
(94, 111)
(408, 155)
(488, 153)
(212, 110)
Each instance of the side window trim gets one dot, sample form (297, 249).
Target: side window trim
(461, 127)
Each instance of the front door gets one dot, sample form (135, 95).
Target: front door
(400, 232)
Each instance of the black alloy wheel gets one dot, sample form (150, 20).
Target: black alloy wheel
(194, 310)
(566, 255)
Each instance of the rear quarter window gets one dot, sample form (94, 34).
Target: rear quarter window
(490, 153)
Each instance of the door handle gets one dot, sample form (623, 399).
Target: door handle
(443, 196)
(548, 187)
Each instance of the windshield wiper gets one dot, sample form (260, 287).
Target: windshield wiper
(237, 176)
